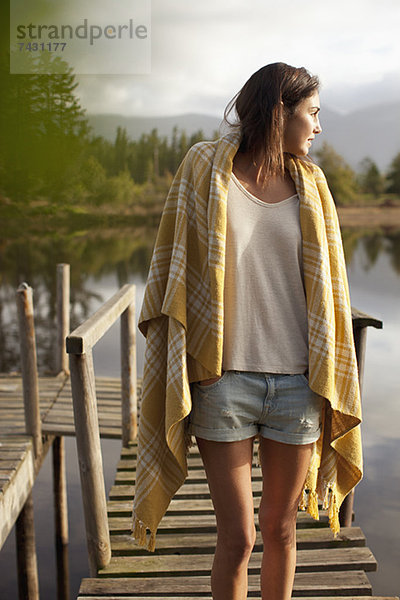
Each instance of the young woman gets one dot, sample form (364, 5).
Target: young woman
(248, 324)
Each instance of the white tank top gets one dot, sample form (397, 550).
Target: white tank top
(265, 310)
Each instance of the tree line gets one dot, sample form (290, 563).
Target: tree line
(48, 152)
(350, 187)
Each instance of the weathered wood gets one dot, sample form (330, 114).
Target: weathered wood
(84, 337)
(202, 523)
(195, 477)
(361, 319)
(61, 518)
(28, 580)
(90, 460)
(204, 543)
(310, 560)
(56, 405)
(15, 492)
(128, 375)
(360, 342)
(196, 490)
(28, 365)
(63, 308)
(339, 582)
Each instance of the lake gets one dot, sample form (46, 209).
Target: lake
(101, 261)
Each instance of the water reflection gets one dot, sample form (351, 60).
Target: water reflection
(374, 243)
(91, 254)
(95, 253)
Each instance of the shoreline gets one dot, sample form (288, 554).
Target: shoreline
(15, 220)
(369, 216)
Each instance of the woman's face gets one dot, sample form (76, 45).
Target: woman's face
(302, 126)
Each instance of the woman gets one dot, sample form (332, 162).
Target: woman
(248, 324)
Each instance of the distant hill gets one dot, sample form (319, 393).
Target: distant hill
(106, 125)
(373, 131)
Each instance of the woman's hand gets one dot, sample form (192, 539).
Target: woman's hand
(211, 380)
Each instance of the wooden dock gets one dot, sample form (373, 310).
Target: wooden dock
(181, 565)
(35, 413)
(18, 467)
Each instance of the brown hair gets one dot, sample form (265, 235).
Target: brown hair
(261, 104)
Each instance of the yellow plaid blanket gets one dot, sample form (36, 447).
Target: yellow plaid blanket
(182, 319)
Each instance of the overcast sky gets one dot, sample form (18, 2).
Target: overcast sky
(203, 52)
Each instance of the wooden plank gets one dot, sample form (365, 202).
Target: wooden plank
(194, 478)
(195, 490)
(16, 491)
(15, 441)
(325, 559)
(9, 454)
(185, 506)
(340, 583)
(125, 545)
(181, 523)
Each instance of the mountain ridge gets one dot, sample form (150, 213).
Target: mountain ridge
(371, 131)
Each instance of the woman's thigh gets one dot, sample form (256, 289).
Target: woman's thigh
(284, 468)
(228, 469)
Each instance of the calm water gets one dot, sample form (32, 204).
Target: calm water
(101, 261)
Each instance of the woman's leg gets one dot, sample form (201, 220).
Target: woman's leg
(228, 469)
(284, 468)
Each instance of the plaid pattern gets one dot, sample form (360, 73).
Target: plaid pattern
(182, 318)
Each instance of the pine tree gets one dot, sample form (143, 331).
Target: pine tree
(393, 176)
(340, 176)
(370, 178)
(43, 134)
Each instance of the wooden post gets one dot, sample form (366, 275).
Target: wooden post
(90, 460)
(63, 308)
(61, 518)
(128, 375)
(360, 343)
(28, 581)
(28, 366)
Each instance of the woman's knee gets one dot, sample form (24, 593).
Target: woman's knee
(279, 528)
(237, 545)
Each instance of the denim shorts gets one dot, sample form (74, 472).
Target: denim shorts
(242, 404)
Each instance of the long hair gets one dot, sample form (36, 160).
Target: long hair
(261, 105)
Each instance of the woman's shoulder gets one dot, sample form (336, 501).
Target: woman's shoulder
(202, 154)
(312, 168)
(203, 150)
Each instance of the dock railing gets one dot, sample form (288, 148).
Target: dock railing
(79, 345)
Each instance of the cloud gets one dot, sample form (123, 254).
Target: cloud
(202, 53)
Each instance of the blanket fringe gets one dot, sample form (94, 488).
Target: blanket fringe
(333, 513)
(139, 532)
(309, 502)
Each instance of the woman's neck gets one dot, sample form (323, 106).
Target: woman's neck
(275, 189)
